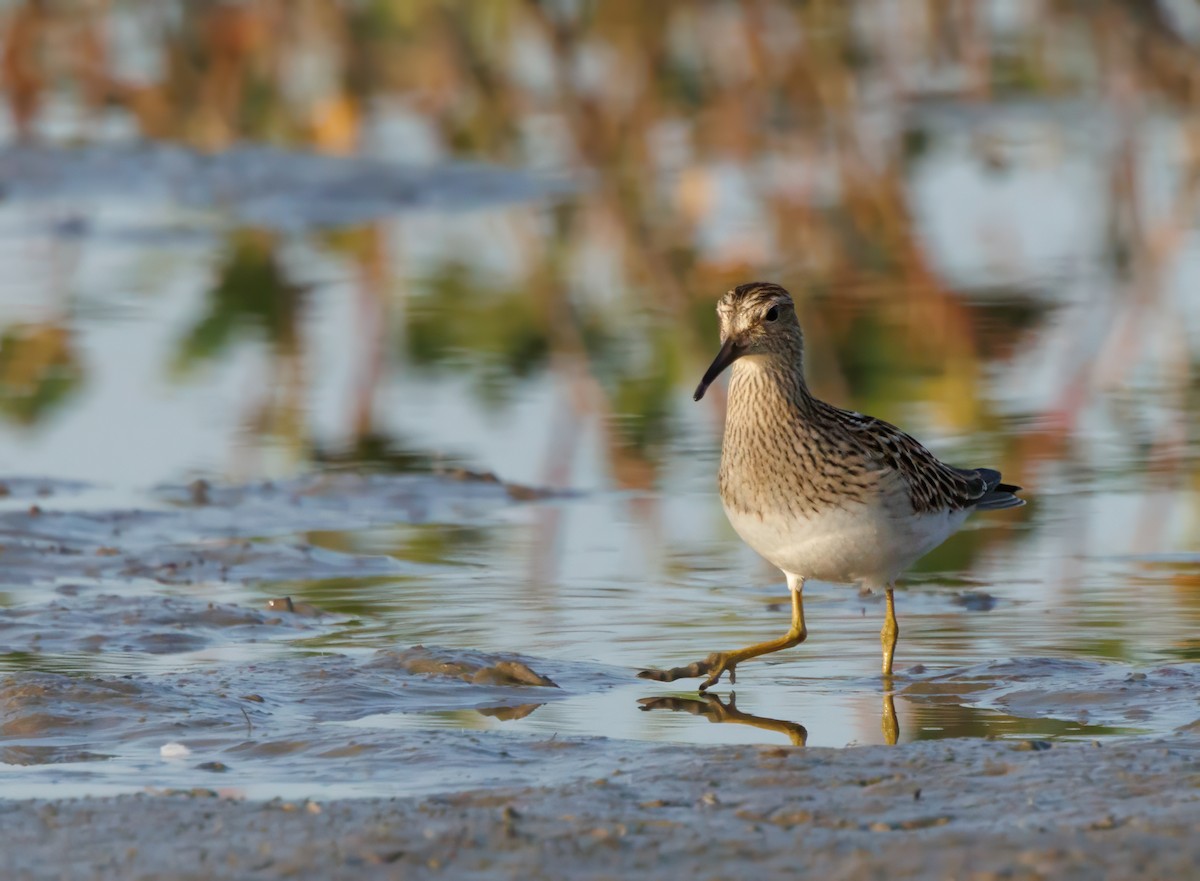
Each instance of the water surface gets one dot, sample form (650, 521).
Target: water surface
(323, 280)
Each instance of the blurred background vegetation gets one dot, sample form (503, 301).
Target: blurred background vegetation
(702, 144)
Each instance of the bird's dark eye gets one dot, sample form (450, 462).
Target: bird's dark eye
(772, 314)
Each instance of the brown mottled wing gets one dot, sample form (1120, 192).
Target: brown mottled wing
(932, 484)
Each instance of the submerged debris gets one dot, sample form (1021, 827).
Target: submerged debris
(468, 666)
(287, 604)
(975, 601)
(516, 491)
(199, 492)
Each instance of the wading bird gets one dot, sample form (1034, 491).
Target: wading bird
(821, 492)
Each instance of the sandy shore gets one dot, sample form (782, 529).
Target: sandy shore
(947, 809)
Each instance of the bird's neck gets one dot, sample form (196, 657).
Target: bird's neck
(768, 420)
(762, 384)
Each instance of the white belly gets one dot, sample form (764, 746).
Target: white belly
(847, 545)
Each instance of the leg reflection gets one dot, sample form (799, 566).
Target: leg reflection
(715, 710)
(889, 723)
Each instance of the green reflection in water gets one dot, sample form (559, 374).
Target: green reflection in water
(449, 544)
(1183, 650)
(502, 330)
(252, 295)
(40, 371)
(361, 597)
(379, 453)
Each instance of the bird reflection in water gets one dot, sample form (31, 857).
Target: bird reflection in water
(508, 713)
(713, 708)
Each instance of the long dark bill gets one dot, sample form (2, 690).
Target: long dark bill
(729, 353)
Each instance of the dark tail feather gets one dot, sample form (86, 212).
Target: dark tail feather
(999, 495)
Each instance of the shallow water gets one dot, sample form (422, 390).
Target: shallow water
(999, 256)
(128, 631)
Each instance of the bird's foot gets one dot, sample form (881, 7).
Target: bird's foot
(712, 667)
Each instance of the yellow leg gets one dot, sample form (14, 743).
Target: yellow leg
(887, 636)
(725, 662)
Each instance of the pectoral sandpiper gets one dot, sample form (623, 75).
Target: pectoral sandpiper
(821, 492)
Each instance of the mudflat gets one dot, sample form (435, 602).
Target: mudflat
(234, 682)
(974, 809)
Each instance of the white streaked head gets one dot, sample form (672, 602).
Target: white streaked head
(756, 319)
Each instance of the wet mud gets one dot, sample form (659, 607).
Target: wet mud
(956, 809)
(241, 667)
(229, 533)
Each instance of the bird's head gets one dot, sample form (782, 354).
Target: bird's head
(757, 320)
